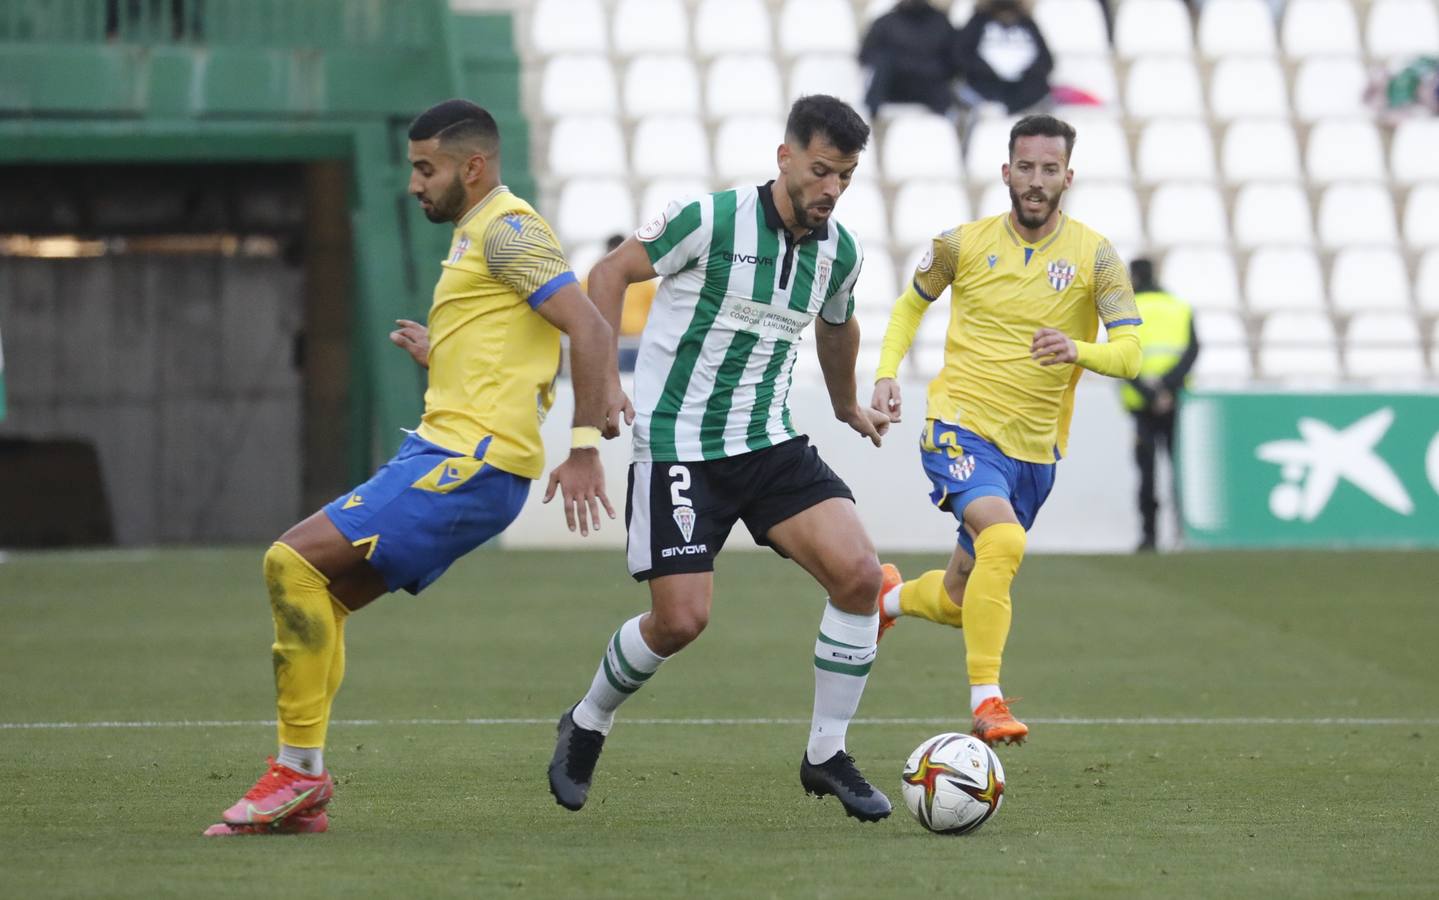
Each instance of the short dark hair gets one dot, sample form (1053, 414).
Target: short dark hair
(1043, 126)
(457, 120)
(1141, 273)
(828, 116)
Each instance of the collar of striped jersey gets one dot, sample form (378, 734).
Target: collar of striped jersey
(773, 219)
(497, 189)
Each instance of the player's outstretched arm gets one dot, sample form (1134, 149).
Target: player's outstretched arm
(838, 348)
(414, 339)
(580, 479)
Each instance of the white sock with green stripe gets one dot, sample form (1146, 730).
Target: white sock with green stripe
(843, 653)
(627, 664)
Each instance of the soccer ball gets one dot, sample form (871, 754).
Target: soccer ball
(953, 783)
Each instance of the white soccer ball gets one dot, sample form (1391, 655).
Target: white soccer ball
(953, 783)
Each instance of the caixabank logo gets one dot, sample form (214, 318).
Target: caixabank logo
(1311, 469)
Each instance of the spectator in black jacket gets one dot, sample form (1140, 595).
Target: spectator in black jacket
(909, 52)
(1003, 57)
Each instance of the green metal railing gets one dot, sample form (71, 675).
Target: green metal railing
(398, 24)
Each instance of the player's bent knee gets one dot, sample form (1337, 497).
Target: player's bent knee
(858, 586)
(1003, 544)
(678, 628)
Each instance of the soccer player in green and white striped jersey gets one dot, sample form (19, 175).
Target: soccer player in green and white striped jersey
(744, 272)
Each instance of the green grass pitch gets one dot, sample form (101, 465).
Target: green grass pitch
(1182, 707)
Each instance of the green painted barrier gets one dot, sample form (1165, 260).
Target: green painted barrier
(1310, 469)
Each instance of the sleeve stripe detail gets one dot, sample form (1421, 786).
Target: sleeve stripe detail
(549, 287)
(920, 291)
(1117, 322)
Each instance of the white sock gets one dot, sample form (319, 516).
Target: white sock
(309, 760)
(627, 664)
(843, 653)
(890, 601)
(978, 693)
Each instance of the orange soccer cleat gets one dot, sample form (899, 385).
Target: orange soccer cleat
(280, 793)
(892, 579)
(994, 723)
(311, 821)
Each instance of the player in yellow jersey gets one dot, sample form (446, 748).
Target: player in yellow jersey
(1028, 290)
(492, 348)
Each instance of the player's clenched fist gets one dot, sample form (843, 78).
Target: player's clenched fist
(886, 398)
(1051, 347)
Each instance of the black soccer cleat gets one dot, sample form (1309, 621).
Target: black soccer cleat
(838, 775)
(573, 765)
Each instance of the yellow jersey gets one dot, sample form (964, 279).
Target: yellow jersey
(1003, 289)
(493, 357)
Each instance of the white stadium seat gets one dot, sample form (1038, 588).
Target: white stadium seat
(1204, 276)
(921, 147)
(1330, 87)
(743, 83)
(878, 285)
(1356, 213)
(1109, 208)
(557, 26)
(663, 83)
(1298, 345)
(827, 73)
(994, 199)
(1272, 214)
(1092, 74)
(988, 148)
(746, 148)
(1223, 347)
(1162, 86)
(1421, 216)
(1368, 278)
(1152, 28)
(1101, 148)
(732, 26)
(1260, 149)
(1284, 278)
(1426, 286)
(1319, 28)
(1072, 26)
(1383, 345)
(1175, 149)
(651, 26)
(1344, 150)
(925, 207)
(578, 83)
(1415, 154)
(1187, 214)
(1397, 29)
(586, 145)
(582, 257)
(661, 192)
(1244, 86)
(1236, 27)
(592, 209)
(817, 26)
(670, 145)
(862, 210)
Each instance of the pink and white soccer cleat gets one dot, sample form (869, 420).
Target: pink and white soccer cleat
(311, 821)
(280, 793)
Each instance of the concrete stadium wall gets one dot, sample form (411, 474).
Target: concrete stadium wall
(1092, 509)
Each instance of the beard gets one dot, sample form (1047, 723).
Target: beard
(802, 216)
(1050, 205)
(449, 205)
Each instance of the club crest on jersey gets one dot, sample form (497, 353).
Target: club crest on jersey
(684, 517)
(1061, 273)
(962, 468)
(461, 246)
(821, 275)
(991, 259)
(926, 260)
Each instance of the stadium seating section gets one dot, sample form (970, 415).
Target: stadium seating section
(1232, 147)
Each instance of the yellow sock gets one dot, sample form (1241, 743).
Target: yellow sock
(926, 598)
(997, 554)
(337, 660)
(306, 635)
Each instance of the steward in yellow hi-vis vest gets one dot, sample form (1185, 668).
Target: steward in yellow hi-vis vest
(1170, 348)
(1028, 290)
(492, 348)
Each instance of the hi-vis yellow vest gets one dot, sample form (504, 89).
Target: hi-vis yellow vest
(1164, 336)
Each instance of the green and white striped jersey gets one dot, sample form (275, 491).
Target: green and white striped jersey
(717, 355)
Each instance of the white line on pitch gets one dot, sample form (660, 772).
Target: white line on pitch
(1061, 720)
